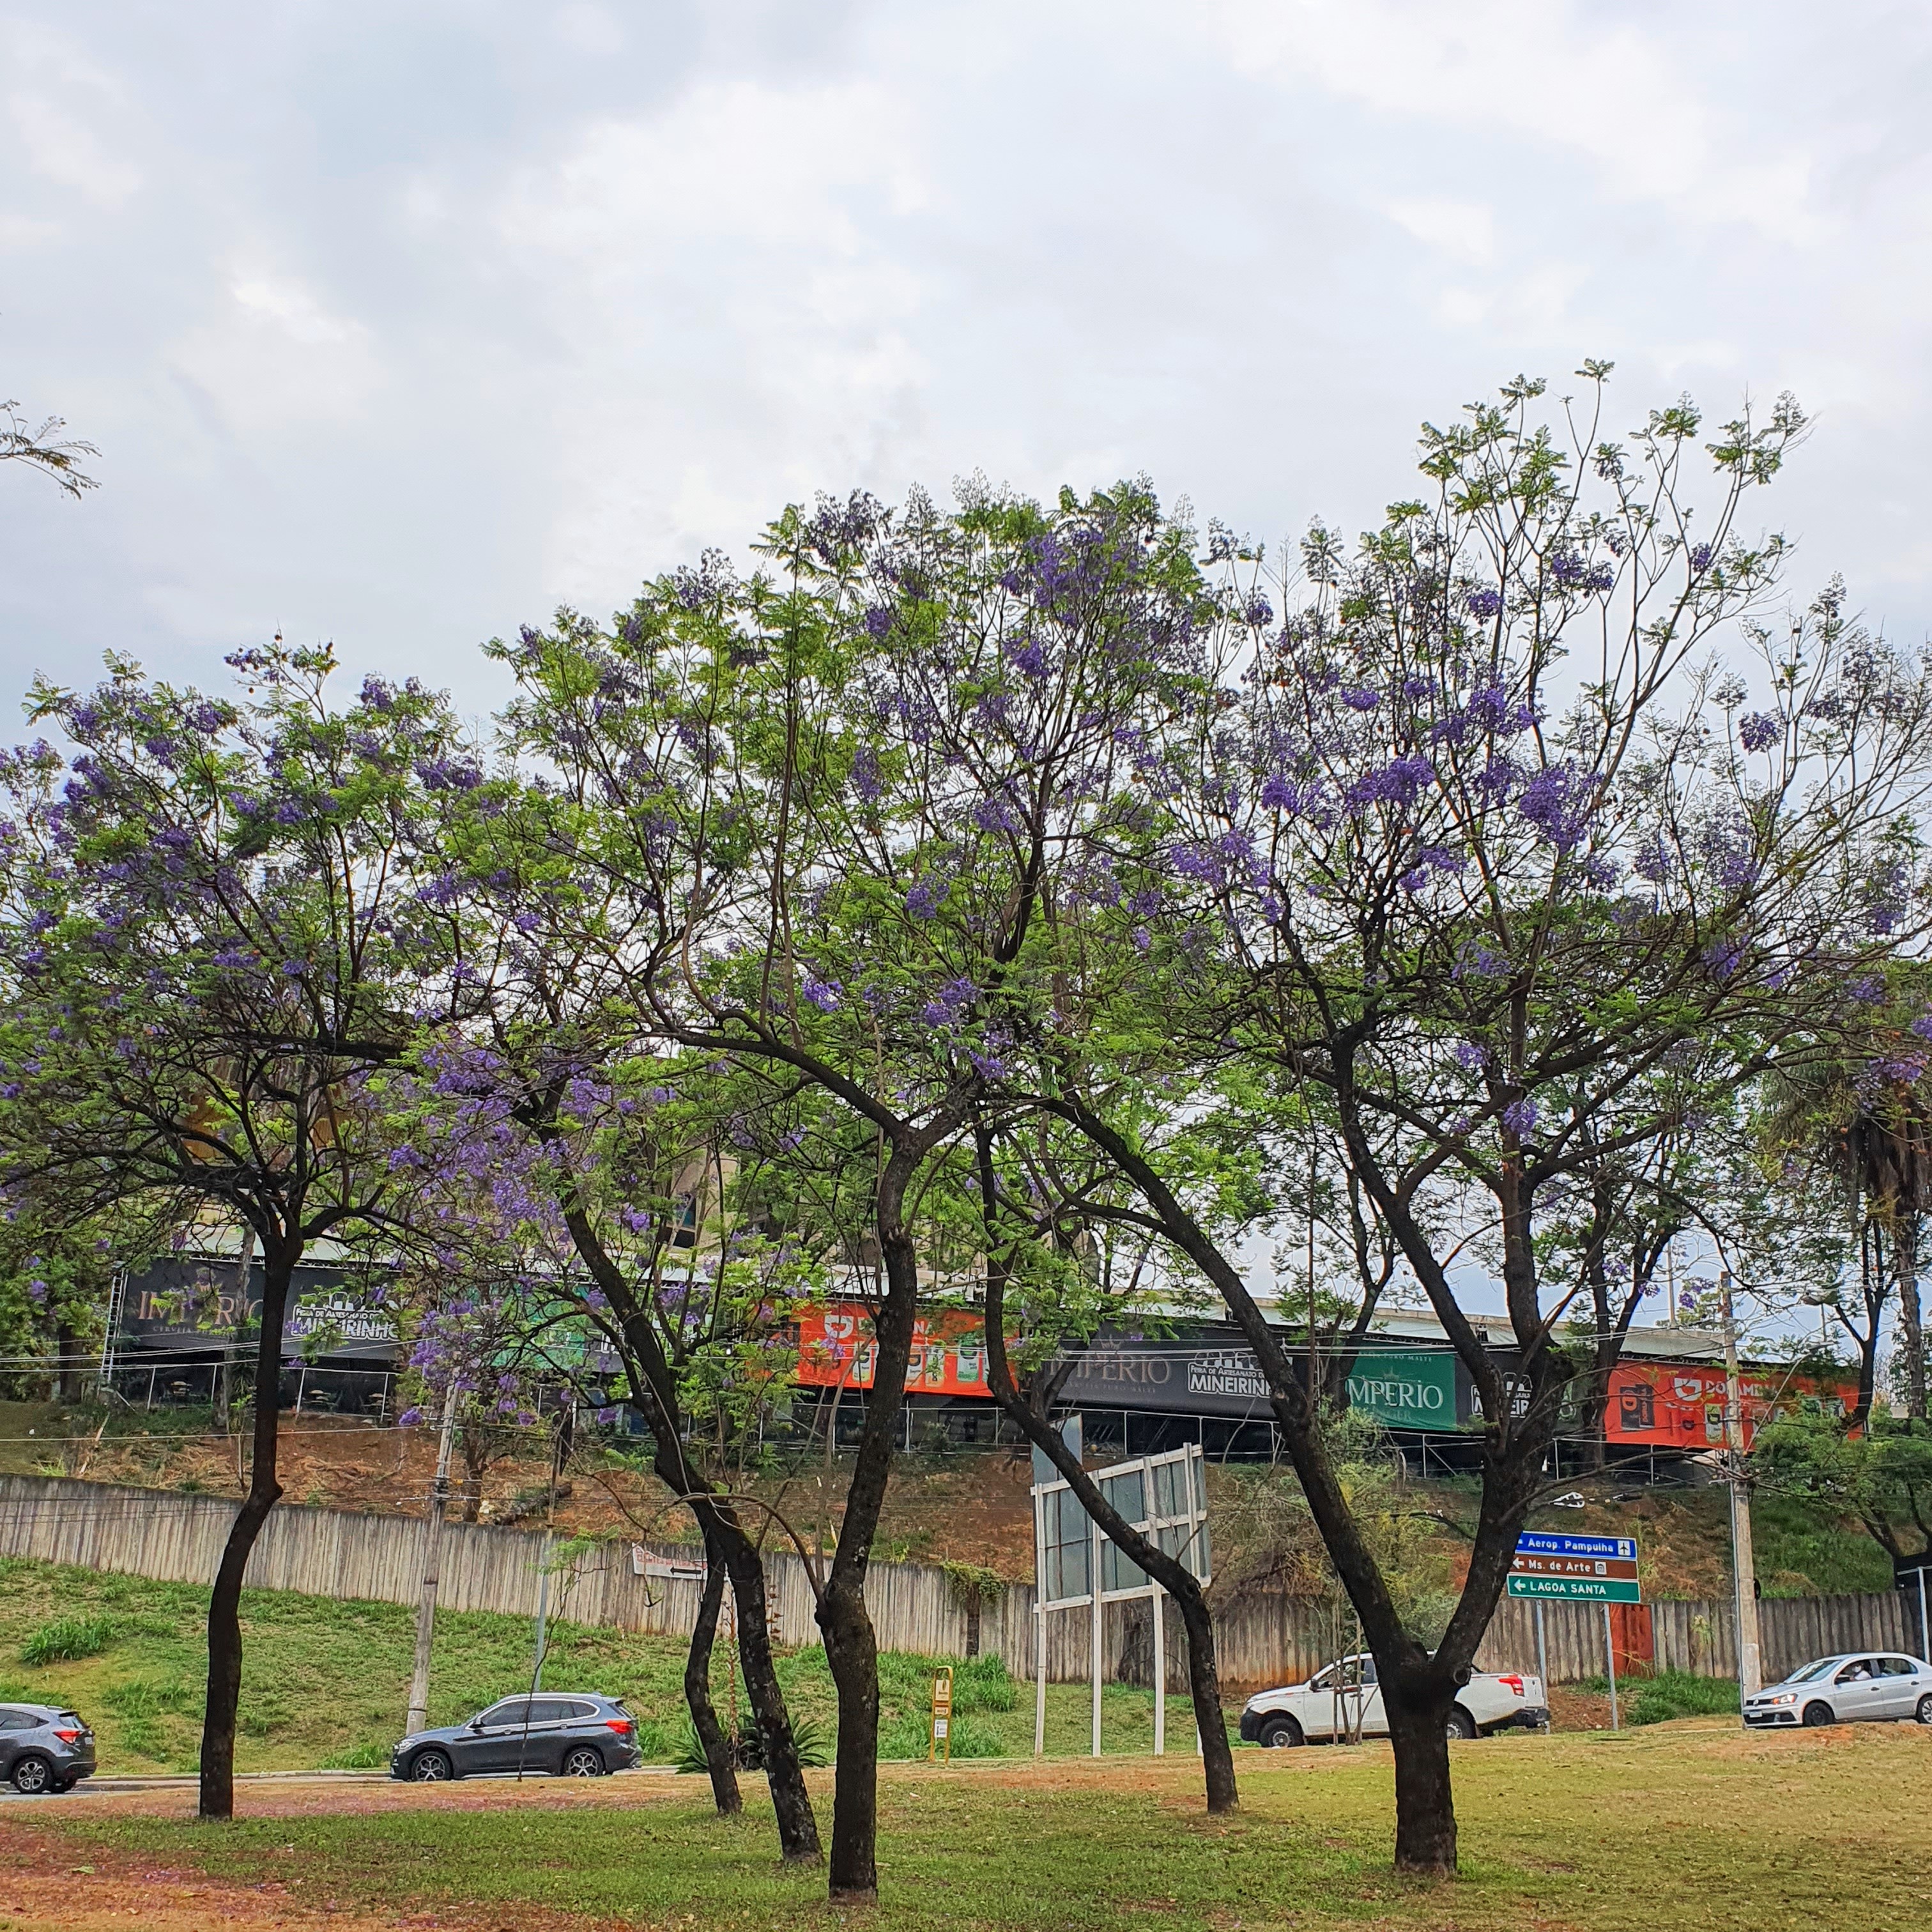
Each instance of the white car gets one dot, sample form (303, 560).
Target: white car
(1345, 1701)
(1849, 1688)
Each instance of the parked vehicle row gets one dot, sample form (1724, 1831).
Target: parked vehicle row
(46, 1748)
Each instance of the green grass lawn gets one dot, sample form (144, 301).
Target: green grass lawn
(325, 1683)
(1694, 1830)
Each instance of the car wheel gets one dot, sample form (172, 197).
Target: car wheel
(431, 1767)
(1816, 1714)
(586, 1761)
(33, 1775)
(1281, 1733)
(1461, 1724)
(1925, 1711)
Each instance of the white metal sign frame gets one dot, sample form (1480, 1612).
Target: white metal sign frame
(1164, 1497)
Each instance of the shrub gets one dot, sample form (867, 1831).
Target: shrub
(139, 1697)
(364, 1757)
(815, 1748)
(65, 1638)
(1670, 1694)
(982, 1683)
(911, 1736)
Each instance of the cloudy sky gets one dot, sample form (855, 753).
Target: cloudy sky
(401, 323)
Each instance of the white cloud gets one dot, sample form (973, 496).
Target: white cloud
(1589, 82)
(273, 355)
(1466, 229)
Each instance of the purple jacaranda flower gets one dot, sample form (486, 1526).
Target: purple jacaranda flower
(409, 1418)
(1030, 659)
(1142, 938)
(1867, 990)
(1922, 1026)
(878, 621)
(1483, 601)
(824, 994)
(1724, 956)
(1519, 1116)
(1416, 687)
(608, 1413)
(1471, 1056)
(1361, 699)
(1258, 611)
(1700, 558)
(865, 779)
(927, 896)
(1760, 730)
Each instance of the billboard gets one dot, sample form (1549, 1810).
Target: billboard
(1401, 1388)
(837, 1349)
(1405, 1388)
(1680, 1405)
(183, 1306)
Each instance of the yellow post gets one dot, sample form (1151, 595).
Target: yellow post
(941, 1733)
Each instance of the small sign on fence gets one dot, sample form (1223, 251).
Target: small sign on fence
(1593, 1569)
(940, 1742)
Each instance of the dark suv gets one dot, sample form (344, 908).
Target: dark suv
(43, 1748)
(580, 1735)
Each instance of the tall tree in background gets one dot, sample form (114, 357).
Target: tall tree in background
(212, 935)
(1854, 1126)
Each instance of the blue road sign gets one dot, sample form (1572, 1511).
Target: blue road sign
(1539, 1542)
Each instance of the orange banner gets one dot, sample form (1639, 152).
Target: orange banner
(1681, 1406)
(836, 1349)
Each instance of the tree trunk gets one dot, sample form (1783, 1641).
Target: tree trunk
(798, 1826)
(1911, 1326)
(654, 1388)
(224, 1623)
(1425, 1806)
(719, 1753)
(851, 1645)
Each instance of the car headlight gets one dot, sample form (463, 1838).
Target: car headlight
(1782, 1697)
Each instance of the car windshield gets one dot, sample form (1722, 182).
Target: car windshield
(1813, 1672)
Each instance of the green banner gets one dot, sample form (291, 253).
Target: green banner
(1404, 1388)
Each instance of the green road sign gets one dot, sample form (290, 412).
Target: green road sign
(1594, 1569)
(1592, 1589)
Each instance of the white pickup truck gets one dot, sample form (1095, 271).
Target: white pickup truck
(1345, 1701)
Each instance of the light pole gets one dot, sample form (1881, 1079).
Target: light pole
(1744, 1567)
(439, 1494)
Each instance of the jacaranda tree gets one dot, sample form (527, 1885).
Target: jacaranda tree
(214, 934)
(1519, 840)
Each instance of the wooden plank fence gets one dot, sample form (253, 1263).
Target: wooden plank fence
(1261, 1638)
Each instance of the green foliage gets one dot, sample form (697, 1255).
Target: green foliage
(1803, 1549)
(370, 1756)
(1883, 1476)
(1670, 1694)
(809, 1737)
(66, 1638)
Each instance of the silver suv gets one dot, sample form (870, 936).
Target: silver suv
(43, 1748)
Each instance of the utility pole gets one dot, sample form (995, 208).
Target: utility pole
(438, 1496)
(1744, 1566)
